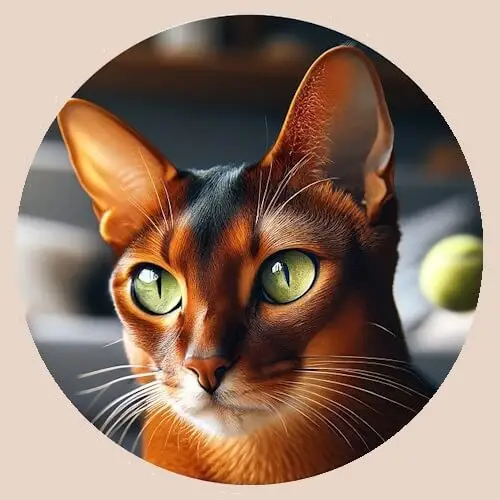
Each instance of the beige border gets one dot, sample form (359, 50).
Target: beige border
(49, 48)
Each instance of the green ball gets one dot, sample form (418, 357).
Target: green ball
(450, 276)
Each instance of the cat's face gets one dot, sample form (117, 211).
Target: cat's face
(232, 282)
(227, 298)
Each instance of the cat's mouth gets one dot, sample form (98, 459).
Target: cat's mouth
(221, 413)
(226, 420)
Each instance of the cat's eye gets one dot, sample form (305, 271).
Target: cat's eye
(155, 290)
(287, 276)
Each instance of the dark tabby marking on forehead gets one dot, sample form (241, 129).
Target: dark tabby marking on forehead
(214, 197)
(274, 351)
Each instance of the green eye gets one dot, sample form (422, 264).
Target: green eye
(287, 276)
(156, 290)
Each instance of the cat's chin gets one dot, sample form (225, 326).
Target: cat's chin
(227, 422)
(219, 420)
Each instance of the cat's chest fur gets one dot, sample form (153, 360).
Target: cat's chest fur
(279, 453)
(270, 457)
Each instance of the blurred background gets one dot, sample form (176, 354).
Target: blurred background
(206, 93)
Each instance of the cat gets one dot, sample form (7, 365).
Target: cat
(257, 300)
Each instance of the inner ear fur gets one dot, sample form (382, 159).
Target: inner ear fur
(338, 124)
(123, 174)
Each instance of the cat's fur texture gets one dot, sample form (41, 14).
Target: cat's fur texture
(308, 386)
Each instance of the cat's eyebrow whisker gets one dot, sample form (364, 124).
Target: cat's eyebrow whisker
(264, 196)
(285, 203)
(286, 179)
(145, 214)
(281, 184)
(109, 369)
(169, 205)
(257, 213)
(154, 186)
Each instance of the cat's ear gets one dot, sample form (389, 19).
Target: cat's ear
(339, 122)
(123, 175)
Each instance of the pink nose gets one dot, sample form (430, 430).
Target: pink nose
(210, 371)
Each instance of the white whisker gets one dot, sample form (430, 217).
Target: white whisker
(382, 328)
(135, 399)
(364, 358)
(345, 408)
(285, 181)
(273, 408)
(128, 411)
(366, 375)
(257, 212)
(168, 415)
(112, 343)
(154, 187)
(109, 369)
(264, 196)
(116, 381)
(361, 389)
(160, 409)
(308, 391)
(284, 401)
(358, 362)
(169, 204)
(117, 400)
(278, 211)
(324, 419)
(143, 212)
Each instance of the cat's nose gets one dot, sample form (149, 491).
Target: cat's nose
(210, 371)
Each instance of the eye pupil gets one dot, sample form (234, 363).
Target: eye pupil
(286, 272)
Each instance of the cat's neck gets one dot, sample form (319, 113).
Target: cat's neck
(270, 455)
(286, 450)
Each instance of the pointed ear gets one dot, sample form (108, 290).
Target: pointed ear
(340, 121)
(123, 175)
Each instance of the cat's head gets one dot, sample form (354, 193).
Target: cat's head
(232, 281)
